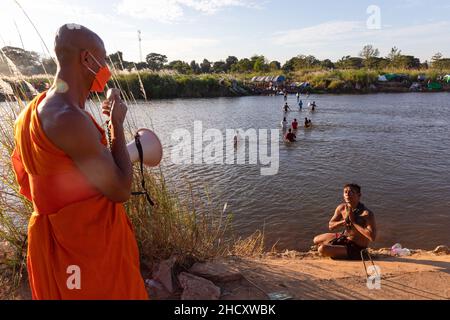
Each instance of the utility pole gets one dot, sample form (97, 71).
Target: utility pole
(140, 45)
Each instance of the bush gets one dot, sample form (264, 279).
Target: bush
(336, 85)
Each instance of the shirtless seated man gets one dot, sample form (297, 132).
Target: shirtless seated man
(359, 224)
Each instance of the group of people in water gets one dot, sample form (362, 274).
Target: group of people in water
(313, 106)
(290, 135)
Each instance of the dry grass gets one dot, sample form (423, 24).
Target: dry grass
(248, 247)
(15, 210)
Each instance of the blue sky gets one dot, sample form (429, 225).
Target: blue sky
(214, 29)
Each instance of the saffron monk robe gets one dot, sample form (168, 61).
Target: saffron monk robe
(81, 244)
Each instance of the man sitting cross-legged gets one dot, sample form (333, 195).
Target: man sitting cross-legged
(359, 224)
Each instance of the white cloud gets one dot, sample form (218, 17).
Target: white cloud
(163, 11)
(319, 34)
(173, 10)
(179, 48)
(212, 6)
(338, 38)
(48, 18)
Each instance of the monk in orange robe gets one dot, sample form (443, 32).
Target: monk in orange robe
(80, 242)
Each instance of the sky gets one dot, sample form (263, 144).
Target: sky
(214, 29)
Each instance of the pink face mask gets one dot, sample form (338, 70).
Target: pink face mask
(102, 77)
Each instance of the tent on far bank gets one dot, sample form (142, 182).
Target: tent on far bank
(390, 77)
(447, 78)
(421, 77)
(434, 86)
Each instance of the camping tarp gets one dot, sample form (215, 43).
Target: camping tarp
(434, 86)
(279, 79)
(421, 77)
(391, 76)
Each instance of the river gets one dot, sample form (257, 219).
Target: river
(396, 146)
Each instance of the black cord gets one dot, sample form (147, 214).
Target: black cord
(141, 164)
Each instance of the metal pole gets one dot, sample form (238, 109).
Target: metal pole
(140, 45)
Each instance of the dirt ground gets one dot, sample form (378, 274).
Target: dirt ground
(306, 276)
(423, 275)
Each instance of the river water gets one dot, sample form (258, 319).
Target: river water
(396, 146)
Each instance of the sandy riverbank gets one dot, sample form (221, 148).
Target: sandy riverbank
(298, 276)
(423, 275)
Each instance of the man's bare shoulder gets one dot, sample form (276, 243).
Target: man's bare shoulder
(57, 114)
(367, 213)
(65, 124)
(341, 207)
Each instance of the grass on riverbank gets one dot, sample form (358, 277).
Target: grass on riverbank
(337, 79)
(170, 84)
(161, 85)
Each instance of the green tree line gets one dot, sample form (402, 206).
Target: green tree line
(31, 63)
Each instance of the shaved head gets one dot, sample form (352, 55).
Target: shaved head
(71, 39)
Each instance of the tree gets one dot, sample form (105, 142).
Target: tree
(259, 63)
(219, 67)
(141, 65)
(370, 55)
(407, 62)
(205, 66)
(349, 62)
(437, 56)
(116, 59)
(301, 62)
(179, 66)
(156, 61)
(244, 65)
(119, 63)
(230, 62)
(289, 65)
(309, 61)
(394, 54)
(439, 62)
(274, 66)
(195, 67)
(327, 64)
(376, 63)
(369, 52)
